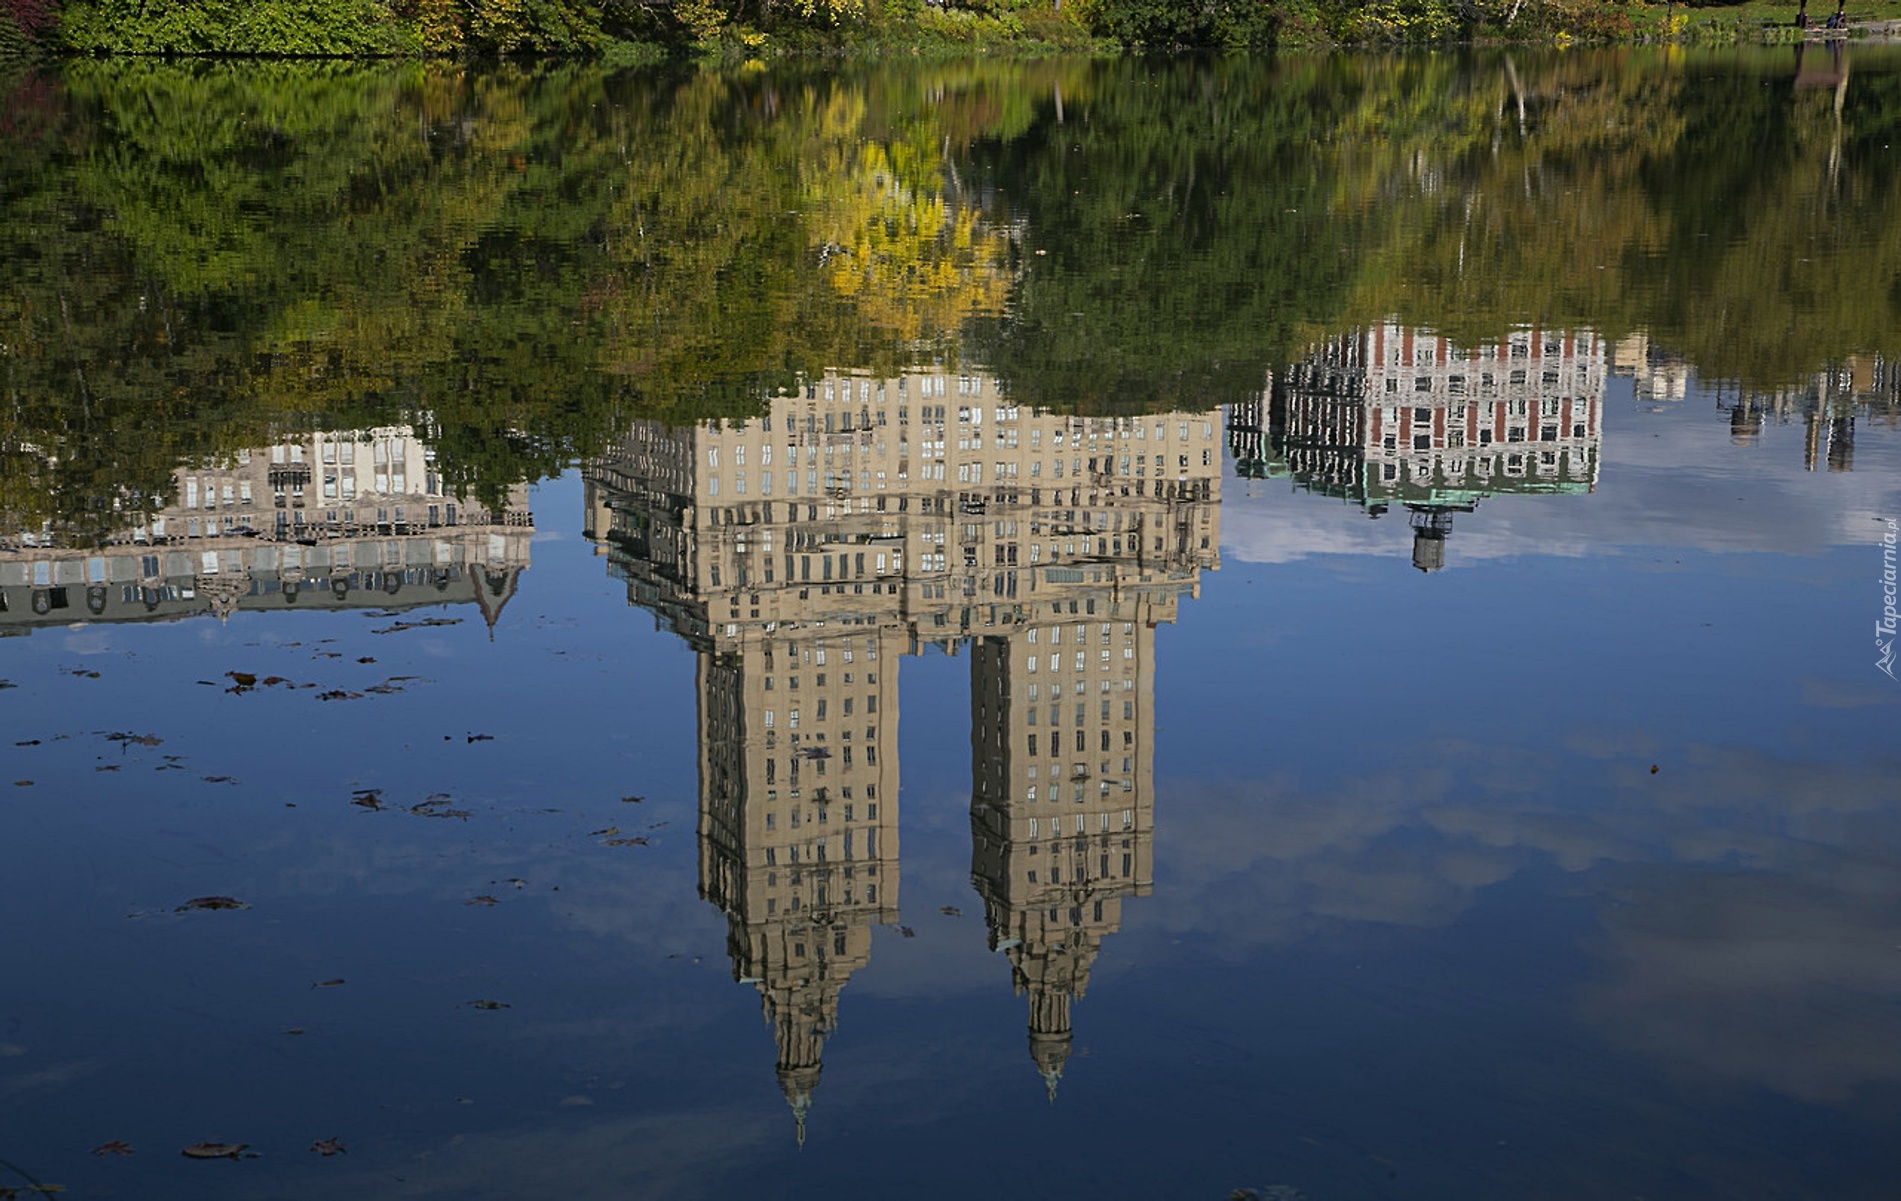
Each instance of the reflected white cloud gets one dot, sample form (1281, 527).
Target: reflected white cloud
(1745, 901)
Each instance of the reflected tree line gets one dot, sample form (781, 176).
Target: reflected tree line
(205, 257)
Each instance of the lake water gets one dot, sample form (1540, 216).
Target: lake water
(1070, 629)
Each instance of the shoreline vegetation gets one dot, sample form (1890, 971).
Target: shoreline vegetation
(632, 32)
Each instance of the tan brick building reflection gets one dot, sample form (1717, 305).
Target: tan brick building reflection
(1063, 807)
(334, 519)
(1395, 416)
(801, 551)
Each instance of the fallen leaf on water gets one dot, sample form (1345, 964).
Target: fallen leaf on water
(625, 842)
(215, 1150)
(28, 742)
(295, 1030)
(117, 1146)
(489, 1005)
(367, 798)
(242, 679)
(418, 625)
(4, 684)
(326, 983)
(327, 1147)
(221, 780)
(484, 899)
(23, 783)
(907, 931)
(273, 681)
(140, 739)
(481, 738)
(632, 800)
(604, 833)
(211, 903)
(517, 881)
(107, 767)
(367, 659)
(951, 911)
(83, 674)
(338, 694)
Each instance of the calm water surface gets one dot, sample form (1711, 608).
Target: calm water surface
(1128, 629)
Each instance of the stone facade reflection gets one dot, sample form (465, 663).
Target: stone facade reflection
(334, 519)
(803, 551)
(1395, 416)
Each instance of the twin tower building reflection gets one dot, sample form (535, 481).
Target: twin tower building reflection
(805, 552)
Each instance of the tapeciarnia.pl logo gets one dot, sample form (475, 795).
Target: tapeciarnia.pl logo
(1884, 629)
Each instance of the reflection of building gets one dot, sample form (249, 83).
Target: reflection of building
(328, 520)
(1062, 812)
(1656, 376)
(1828, 404)
(1393, 416)
(800, 551)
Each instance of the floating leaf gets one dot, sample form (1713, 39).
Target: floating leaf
(951, 911)
(215, 1150)
(327, 1147)
(367, 659)
(481, 738)
(28, 742)
(635, 841)
(484, 899)
(117, 1146)
(632, 800)
(139, 739)
(221, 780)
(489, 1005)
(367, 798)
(419, 625)
(604, 833)
(242, 679)
(338, 694)
(211, 903)
(327, 983)
(907, 931)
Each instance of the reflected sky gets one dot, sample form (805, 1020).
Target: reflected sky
(1567, 866)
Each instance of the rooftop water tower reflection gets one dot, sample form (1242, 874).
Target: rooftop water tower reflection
(1391, 416)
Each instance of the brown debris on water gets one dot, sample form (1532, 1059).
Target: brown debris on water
(210, 903)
